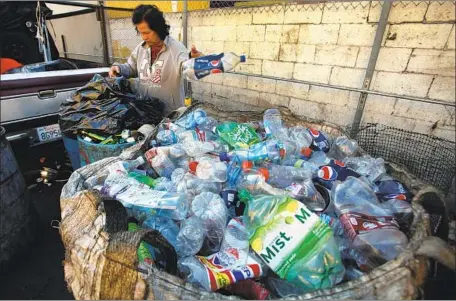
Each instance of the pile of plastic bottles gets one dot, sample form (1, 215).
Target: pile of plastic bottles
(259, 209)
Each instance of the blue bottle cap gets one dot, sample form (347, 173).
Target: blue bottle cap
(224, 156)
(242, 58)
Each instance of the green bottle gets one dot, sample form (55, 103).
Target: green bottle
(143, 179)
(144, 255)
(237, 135)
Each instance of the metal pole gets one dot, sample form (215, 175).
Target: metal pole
(104, 33)
(187, 84)
(383, 21)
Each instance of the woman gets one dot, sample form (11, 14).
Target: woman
(157, 60)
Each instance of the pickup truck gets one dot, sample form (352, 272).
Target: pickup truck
(30, 101)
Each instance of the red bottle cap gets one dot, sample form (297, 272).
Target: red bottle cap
(246, 165)
(306, 152)
(192, 166)
(264, 172)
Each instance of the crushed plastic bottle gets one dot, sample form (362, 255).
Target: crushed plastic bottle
(370, 228)
(272, 150)
(373, 169)
(342, 148)
(293, 242)
(166, 226)
(236, 240)
(190, 238)
(272, 121)
(210, 169)
(211, 209)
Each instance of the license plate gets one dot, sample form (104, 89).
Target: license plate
(49, 132)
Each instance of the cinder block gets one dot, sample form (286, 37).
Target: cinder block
(250, 33)
(202, 33)
(313, 73)
(264, 50)
(400, 13)
(252, 66)
(443, 88)
(357, 34)
(201, 88)
(363, 57)
(392, 59)
(341, 116)
(269, 16)
(290, 34)
(245, 96)
(194, 19)
(273, 33)
(307, 108)
(432, 36)
(336, 55)
(235, 80)
(346, 14)
(261, 84)
(224, 33)
(287, 52)
(211, 46)
(223, 92)
(347, 77)
(238, 48)
(300, 14)
(441, 12)
(305, 53)
(381, 105)
(400, 83)
(243, 17)
(290, 89)
(328, 96)
(422, 111)
(451, 39)
(268, 100)
(319, 34)
(407, 124)
(213, 79)
(277, 69)
(437, 62)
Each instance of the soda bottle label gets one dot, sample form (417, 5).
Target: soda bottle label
(290, 237)
(238, 135)
(357, 223)
(209, 64)
(218, 269)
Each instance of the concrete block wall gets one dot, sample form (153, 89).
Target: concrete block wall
(331, 44)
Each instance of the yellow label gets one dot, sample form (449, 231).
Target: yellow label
(188, 101)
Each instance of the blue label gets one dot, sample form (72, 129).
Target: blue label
(208, 64)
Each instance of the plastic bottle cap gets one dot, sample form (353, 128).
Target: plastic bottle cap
(141, 160)
(192, 166)
(242, 58)
(247, 165)
(306, 152)
(130, 140)
(223, 156)
(264, 172)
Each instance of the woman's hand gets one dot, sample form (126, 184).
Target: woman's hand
(114, 71)
(194, 53)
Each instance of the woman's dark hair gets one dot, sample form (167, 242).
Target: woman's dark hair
(153, 16)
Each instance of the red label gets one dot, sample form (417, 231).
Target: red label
(358, 223)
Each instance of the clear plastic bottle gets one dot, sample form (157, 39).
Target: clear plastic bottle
(166, 226)
(236, 238)
(342, 148)
(197, 68)
(272, 150)
(212, 211)
(272, 121)
(146, 202)
(319, 158)
(373, 169)
(190, 238)
(197, 148)
(126, 166)
(370, 228)
(192, 119)
(210, 169)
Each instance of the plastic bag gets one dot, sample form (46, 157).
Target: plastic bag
(108, 106)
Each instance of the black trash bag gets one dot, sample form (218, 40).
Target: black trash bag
(107, 106)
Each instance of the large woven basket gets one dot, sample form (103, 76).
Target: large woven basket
(102, 263)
